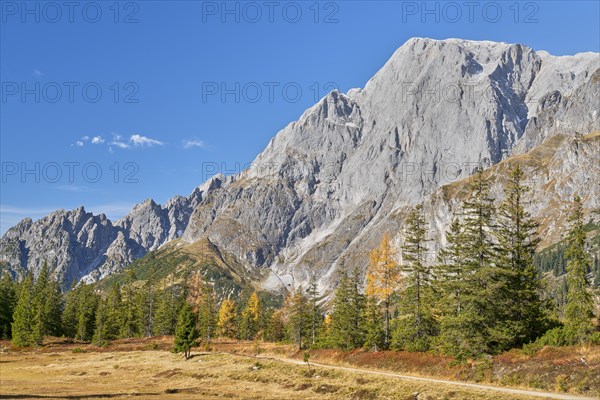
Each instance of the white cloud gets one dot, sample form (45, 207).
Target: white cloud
(139, 140)
(119, 144)
(191, 143)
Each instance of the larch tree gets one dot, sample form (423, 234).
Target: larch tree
(227, 324)
(383, 278)
(250, 318)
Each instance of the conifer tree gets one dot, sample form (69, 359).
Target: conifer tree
(207, 313)
(250, 318)
(69, 315)
(129, 326)
(39, 294)
(479, 255)
(347, 318)
(226, 325)
(457, 306)
(315, 313)
(186, 333)
(194, 290)
(101, 334)
(113, 312)
(146, 309)
(24, 331)
(416, 324)
(275, 327)
(374, 328)
(579, 310)
(85, 312)
(383, 278)
(8, 300)
(167, 311)
(522, 311)
(48, 304)
(298, 317)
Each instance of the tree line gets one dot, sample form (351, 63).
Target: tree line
(482, 295)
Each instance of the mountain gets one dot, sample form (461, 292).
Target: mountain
(81, 246)
(330, 184)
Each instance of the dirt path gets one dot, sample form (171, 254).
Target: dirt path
(524, 392)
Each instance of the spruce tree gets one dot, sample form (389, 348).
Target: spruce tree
(207, 313)
(24, 332)
(275, 327)
(458, 305)
(347, 318)
(129, 324)
(579, 309)
(101, 335)
(374, 328)
(415, 326)
(167, 310)
(186, 333)
(479, 256)
(69, 315)
(516, 232)
(8, 300)
(113, 312)
(315, 313)
(48, 304)
(146, 305)
(85, 313)
(298, 317)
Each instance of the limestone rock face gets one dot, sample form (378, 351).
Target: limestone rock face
(329, 184)
(78, 245)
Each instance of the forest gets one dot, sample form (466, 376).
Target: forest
(484, 294)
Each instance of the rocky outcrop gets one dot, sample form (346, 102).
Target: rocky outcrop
(329, 184)
(78, 245)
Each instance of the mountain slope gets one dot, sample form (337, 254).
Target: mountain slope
(329, 184)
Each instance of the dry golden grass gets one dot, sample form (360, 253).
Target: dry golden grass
(162, 374)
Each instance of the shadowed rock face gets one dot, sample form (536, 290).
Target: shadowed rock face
(329, 184)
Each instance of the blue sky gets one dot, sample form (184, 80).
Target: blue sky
(106, 106)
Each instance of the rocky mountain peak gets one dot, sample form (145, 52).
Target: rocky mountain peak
(328, 183)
